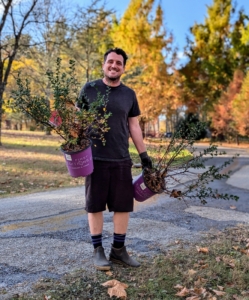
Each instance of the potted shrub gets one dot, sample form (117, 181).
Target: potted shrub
(76, 127)
(179, 164)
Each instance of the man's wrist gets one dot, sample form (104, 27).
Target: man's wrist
(143, 154)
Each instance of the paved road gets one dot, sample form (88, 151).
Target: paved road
(46, 234)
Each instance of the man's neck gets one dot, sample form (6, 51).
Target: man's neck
(111, 82)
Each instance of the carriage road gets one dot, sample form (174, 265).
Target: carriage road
(46, 234)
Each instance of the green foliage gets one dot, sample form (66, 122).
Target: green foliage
(73, 125)
(188, 124)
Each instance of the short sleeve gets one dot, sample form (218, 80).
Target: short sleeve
(135, 110)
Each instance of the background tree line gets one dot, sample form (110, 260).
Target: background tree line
(213, 84)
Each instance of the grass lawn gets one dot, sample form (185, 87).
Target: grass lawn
(32, 162)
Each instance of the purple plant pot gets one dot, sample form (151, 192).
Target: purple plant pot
(80, 163)
(141, 191)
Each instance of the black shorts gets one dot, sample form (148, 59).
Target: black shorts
(110, 185)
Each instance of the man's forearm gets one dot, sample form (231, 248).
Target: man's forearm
(137, 138)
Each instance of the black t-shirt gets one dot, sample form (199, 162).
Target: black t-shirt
(123, 104)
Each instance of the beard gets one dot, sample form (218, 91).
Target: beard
(112, 78)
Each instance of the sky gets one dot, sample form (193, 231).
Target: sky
(179, 15)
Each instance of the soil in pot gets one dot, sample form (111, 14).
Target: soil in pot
(154, 180)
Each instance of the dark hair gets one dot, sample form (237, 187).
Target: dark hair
(118, 51)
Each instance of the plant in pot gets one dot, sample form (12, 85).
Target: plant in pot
(180, 170)
(76, 127)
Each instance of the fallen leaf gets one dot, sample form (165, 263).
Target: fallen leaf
(200, 281)
(218, 259)
(204, 266)
(245, 251)
(178, 286)
(219, 293)
(199, 291)
(236, 248)
(231, 264)
(109, 273)
(184, 292)
(193, 298)
(245, 293)
(202, 249)
(221, 288)
(118, 291)
(191, 272)
(116, 288)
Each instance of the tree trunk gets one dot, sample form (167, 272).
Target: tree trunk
(1, 110)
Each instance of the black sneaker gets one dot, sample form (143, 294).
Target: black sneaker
(120, 256)
(100, 261)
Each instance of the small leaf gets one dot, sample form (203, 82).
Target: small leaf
(109, 273)
(191, 272)
(178, 286)
(184, 292)
(202, 249)
(219, 293)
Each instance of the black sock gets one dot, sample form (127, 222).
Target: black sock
(96, 240)
(118, 240)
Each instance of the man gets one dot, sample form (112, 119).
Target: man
(110, 184)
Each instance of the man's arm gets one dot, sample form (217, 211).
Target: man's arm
(136, 134)
(137, 137)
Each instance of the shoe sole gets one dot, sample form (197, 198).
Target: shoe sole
(105, 268)
(120, 262)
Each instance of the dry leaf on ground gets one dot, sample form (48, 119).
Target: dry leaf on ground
(219, 293)
(202, 249)
(116, 288)
(184, 292)
(191, 272)
(178, 286)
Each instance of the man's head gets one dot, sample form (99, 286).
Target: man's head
(118, 51)
(114, 65)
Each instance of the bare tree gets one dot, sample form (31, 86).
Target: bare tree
(17, 20)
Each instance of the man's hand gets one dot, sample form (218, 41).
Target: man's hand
(145, 160)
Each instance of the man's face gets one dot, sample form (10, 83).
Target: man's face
(113, 67)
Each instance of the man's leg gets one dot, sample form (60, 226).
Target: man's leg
(120, 221)
(95, 221)
(118, 252)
